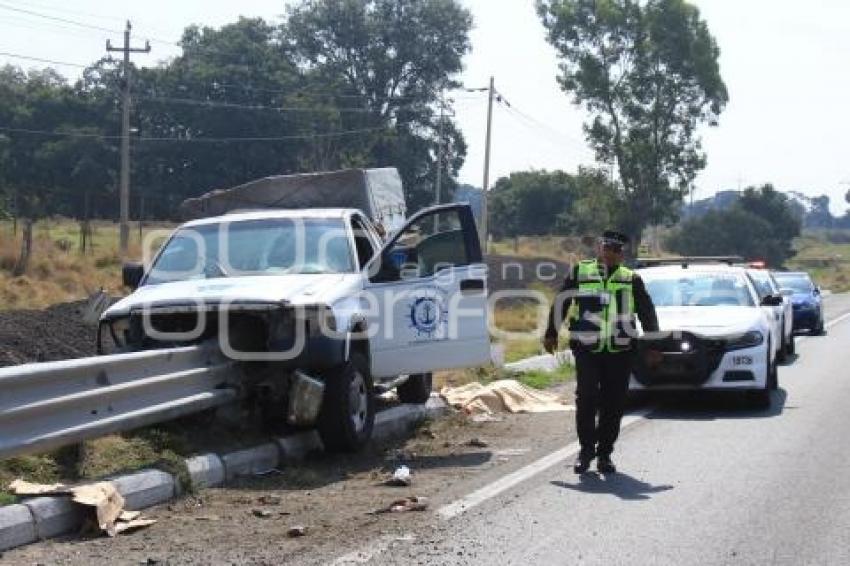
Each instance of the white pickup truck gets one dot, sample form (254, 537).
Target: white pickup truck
(321, 311)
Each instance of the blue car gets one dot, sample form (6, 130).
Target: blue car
(805, 298)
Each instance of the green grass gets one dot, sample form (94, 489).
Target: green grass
(162, 447)
(539, 379)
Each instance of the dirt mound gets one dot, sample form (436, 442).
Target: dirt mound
(56, 333)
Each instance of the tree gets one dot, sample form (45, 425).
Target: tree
(535, 203)
(394, 58)
(760, 225)
(648, 75)
(528, 203)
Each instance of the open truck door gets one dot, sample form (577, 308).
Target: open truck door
(428, 287)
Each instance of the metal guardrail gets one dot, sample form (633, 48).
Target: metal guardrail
(47, 405)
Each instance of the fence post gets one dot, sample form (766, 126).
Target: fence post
(26, 249)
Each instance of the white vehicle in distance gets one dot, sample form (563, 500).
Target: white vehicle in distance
(715, 333)
(767, 286)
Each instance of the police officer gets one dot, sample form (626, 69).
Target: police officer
(601, 297)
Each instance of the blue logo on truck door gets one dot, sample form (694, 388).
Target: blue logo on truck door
(428, 314)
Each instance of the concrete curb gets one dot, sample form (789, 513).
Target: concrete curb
(545, 362)
(44, 517)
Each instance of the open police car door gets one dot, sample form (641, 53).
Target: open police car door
(428, 292)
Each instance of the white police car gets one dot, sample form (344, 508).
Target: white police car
(715, 333)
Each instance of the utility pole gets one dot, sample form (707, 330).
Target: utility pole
(485, 228)
(125, 135)
(437, 196)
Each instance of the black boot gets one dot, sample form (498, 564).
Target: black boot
(605, 465)
(582, 463)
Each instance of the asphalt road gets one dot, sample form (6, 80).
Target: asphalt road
(705, 481)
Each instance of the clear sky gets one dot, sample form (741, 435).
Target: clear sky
(783, 62)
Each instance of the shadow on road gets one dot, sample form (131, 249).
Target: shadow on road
(711, 405)
(622, 485)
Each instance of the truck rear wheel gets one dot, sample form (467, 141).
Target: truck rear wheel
(417, 388)
(347, 416)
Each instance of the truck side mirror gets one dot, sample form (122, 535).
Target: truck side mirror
(131, 274)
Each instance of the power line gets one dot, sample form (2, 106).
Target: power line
(17, 22)
(58, 19)
(531, 120)
(105, 137)
(63, 10)
(40, 60)
(224, 104)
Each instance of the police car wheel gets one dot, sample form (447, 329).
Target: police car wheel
(791, 347)
(782, 354)
(417, 389)
(347, 416)
(760, 398)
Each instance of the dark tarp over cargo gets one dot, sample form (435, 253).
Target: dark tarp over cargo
(377, 192)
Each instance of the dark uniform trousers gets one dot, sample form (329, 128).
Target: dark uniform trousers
(602, 382)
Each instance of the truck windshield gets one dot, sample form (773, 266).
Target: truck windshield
(277, 246)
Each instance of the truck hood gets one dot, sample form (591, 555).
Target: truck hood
(289, 289)
(709, 321)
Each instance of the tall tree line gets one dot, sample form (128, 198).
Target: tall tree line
(351, 83)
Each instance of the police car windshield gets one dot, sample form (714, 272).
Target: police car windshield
(698, 289)
(799, 283)
(763, 282)
(280, 246)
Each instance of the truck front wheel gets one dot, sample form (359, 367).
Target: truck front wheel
(348, 409)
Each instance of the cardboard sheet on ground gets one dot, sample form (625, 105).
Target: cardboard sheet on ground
(503, 396)
(107, 503)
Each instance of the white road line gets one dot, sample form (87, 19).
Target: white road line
(504, 483)
(458, 507)
(835, 321)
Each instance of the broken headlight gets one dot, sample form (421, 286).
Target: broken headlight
(113, 335)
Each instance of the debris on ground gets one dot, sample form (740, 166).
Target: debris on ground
(28, 489)
(108, 505)
(428, 433)
(478, 443)
(296, 531)
(503, 396)
(413, 503)
(486, 418)
(401, 477)
(270, 499)
(400, 455)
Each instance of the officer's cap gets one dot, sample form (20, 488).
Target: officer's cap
(614, 239)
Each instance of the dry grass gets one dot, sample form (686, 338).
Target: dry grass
(562, 248)
(57, 271)
(827, 262)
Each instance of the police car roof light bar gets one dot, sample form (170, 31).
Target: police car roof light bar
(687, 260)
